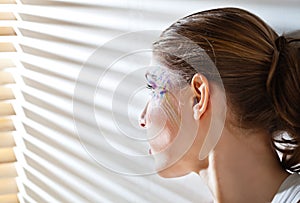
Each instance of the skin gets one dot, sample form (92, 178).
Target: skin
(242, 167)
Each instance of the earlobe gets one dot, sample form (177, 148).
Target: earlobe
(196, 111)
(200, 87)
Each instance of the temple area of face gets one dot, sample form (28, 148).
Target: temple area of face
(158, 83)
(160, 77)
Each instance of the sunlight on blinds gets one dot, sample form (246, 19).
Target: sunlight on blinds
(8, 174)
(56, 40)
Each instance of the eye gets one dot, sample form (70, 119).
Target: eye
(149, 86)
(151, 89)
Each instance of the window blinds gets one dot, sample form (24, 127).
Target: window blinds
(55, 40)
(8, 185)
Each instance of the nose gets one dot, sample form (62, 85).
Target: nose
(142, 120)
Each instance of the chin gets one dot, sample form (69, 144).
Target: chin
(172, 172)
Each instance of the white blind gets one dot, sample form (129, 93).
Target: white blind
(56, 39)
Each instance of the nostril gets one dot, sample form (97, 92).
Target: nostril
(142, 122)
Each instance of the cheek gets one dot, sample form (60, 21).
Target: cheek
(165, 122)
(163, 138)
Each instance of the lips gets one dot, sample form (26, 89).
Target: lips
(150, 151)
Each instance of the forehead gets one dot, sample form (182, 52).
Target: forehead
(157, 74)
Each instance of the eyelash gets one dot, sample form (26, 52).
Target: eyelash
(150, 87)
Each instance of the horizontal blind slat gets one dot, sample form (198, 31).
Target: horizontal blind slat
(7, 16)
(6, 94)
(7, 140)
(6, 109)
(8, 170)
(8, 186)
(7, 31)
(6, 78)
(7, 155)
(6, 63)
(6, 124)
(10, 198)
(7, 1)
(7, 47)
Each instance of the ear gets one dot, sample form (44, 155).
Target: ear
(200, 87)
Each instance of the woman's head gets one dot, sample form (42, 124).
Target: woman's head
(259, 70)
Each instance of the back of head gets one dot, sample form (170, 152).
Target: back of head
(283, 86)
(259, 70)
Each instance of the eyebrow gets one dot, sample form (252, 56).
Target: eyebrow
(146, 75)
(151, 82)
(149, 74)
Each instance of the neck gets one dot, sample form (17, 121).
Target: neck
(244, 168)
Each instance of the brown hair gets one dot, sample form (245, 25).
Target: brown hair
(259, 70)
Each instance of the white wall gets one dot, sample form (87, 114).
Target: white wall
(56, 41)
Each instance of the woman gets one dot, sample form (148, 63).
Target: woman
(258, 147)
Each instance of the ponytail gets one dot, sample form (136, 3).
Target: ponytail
(283, 87)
